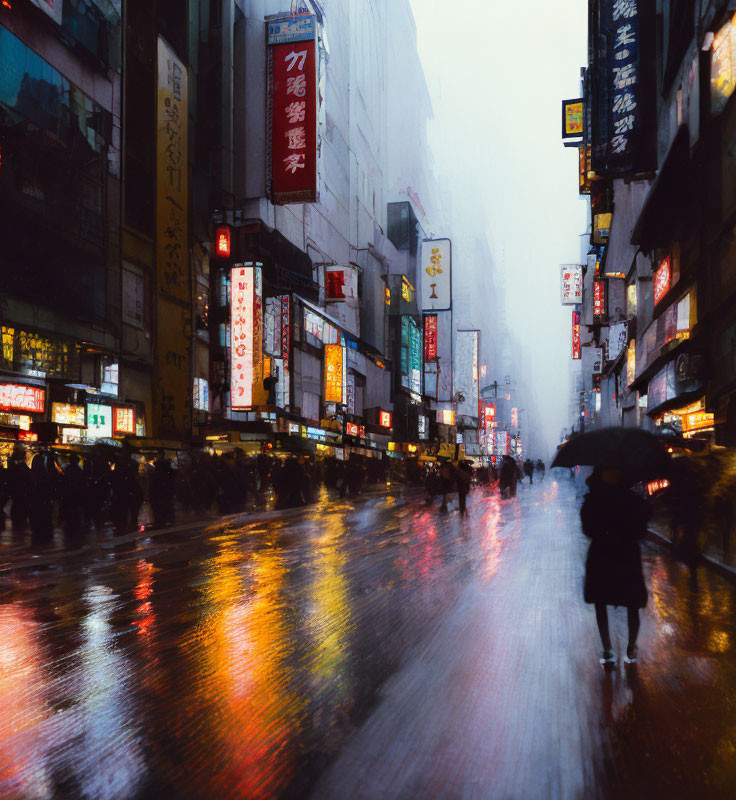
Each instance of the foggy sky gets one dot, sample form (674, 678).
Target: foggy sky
(497, 73)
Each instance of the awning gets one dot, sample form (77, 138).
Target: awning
(668, 198)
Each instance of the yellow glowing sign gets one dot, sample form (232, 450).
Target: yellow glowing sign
(333, 373)
(697, 421)
(631, 363)
(66, 414)
(447, 417)
(407, 290)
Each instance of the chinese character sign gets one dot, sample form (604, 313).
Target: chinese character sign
(576, 335)
(334, 373)
(571, 284)
(173, 298)
(599, 298)
(430, 337)
(68, 414)
(18, 397)
(662, 280)
(245, 335)
(623, 139)
(294, 120)
(436, 275)
(123, 420)
(572, 118)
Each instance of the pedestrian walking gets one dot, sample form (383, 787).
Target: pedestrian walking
(71, 506)
(529, 470)
(464, 479)
(614, 518)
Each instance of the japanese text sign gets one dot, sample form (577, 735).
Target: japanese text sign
(385, 419)
(599, 298)
(430, 337)
(334, 373)
(572, 118)
(123, 419)
(246, 331)
(18, 397)
(571, 284)
(623, 141)
(662, 280)
(436, 275)
(576, 335)
(293, 100)
(222, 242)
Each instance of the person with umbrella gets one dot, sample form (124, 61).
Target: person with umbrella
(614, 518)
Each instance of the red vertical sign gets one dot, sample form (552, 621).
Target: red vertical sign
(294, 122)
(576, 335)
(430, 337)
(599, 298)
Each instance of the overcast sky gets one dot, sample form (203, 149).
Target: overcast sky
(497, 72)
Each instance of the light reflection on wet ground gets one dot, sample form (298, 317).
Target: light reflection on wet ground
(370, 649)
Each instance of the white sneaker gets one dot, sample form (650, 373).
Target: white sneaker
(607, 658)
(632, 655)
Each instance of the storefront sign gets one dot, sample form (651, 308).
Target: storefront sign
(430, 337)
(436, 275)
(576, 335)
(293, 29)
(723, 66)
(201, 395)
(662, 280)
(18, 397)
(514, 418)
(489, 416)
(572, 118)
(385, 419)
(334, 373)
(697, 421)
(586, 175)
(622, 85)
(222, 242)
(407, 290)
(67, 414)
(246, 338)
(123, 420)
(351, 429)
(173, 386)
(99, 421)
(571, 284)
(415, 360)
(599, 298)
(631, 363)
(293, 100)
(294, 428)
(601, 227)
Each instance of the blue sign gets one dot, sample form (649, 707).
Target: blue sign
(292, 29)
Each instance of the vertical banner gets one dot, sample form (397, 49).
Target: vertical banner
(292, 58)
(415, 360)
(571, 284)
(599, 300)
(173, 386)
(576, 335)
(334, 373)
(436, 275)
(623, 84)
(430, 337)
(246, 338)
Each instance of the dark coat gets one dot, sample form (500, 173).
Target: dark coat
(614, 518)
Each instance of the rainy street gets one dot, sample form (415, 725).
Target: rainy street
(370, 648)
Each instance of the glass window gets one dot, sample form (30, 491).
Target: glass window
(133, 289)
(32, 89)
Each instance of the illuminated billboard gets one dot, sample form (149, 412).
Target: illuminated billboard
(334, 373)
(246, 333)
(662, 280)
(436, 275)
(19, 397)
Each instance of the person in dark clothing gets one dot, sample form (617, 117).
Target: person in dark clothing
(614, 518)
(19, 488)
(73, 486)
(463, 479)
(446, 482)
(508, 477)
(529, 470)
(43, 492)
(541, 469)
(162, 490)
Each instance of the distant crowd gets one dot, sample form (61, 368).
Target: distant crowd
(124, 491)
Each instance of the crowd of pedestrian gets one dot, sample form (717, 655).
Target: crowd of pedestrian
(125, 491)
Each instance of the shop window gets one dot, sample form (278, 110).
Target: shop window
(133, 293)
(110, 376)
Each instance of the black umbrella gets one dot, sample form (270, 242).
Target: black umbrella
(632, 450)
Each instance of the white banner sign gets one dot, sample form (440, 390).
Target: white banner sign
(245, 297)
(571, 284)
(436, 275)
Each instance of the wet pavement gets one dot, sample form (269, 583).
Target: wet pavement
(375, 649)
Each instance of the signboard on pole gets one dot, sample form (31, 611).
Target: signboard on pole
(436, 275)
(572, 118)
(246, 338)
(292, 60)
(576, 335)
(571, 284)
(334, 373)
(430, 337)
